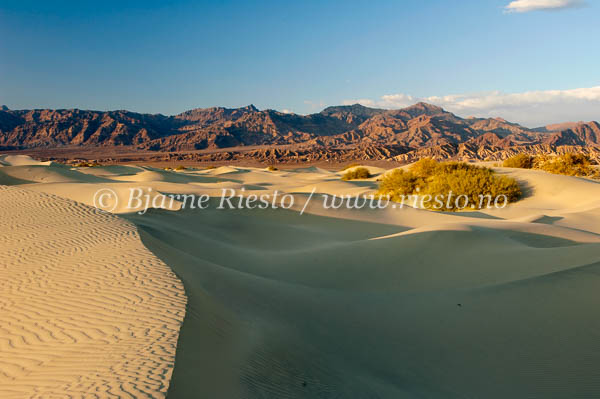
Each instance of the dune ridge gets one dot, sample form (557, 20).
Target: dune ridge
(86, 311)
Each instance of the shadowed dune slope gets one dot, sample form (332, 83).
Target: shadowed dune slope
(293, 306)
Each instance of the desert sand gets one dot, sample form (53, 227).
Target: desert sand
(392, 303)
(85, 309)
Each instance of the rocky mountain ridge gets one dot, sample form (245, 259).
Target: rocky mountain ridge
(336, 133)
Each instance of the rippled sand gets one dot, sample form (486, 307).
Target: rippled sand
(334, 303)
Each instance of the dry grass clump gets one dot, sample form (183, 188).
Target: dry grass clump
(180, 167)
(211, 167)
(569, 164)
(272, 168)
(356, 174)
(523, 161)
(439, 184)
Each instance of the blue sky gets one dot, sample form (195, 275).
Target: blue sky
(473, 57)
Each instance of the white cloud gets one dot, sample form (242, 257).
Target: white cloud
(535, 5)
(387, 101)
(532, 108)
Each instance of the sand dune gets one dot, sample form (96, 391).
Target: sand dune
(390, 303)
(330, 313)
(20, 160)
(85, 310)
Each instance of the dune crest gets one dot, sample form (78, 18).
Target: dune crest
(85, 309)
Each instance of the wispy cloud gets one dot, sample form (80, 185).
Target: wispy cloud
(536, 5)
(532, 108)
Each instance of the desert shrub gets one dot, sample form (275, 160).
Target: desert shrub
(272, 168)
(566, 164)
(352, 165)
(569, 164)
(211, 167)
(180, 167)
(524, 161)
(424, 167)
(438, 181)
(398, 183)
(355, 174)
(475, 184)
(85, 164)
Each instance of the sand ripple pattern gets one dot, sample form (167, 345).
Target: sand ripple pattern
(86, 311)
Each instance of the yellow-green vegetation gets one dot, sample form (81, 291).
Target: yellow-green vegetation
(524, 161)
(352, 165)
(85, 164)
(569, 164)
(211, 167)
(449, 186)
(180, 167)
(272, 168)
(566, 164)
(356, 174)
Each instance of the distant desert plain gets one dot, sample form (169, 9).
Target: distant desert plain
(305, 302)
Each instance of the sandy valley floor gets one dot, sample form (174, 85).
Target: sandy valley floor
(394, 303)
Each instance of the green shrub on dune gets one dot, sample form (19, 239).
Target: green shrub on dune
(357, 174)
(569, 164)
(428, 178)
(523, 161)
(425, 167)
(85, 164)
(352, 165)
(566, 164)
(399, 182)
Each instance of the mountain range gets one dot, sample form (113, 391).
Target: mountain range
(336, 133)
